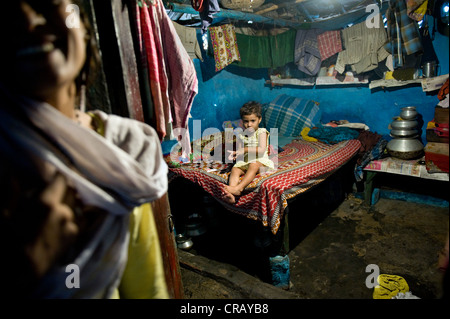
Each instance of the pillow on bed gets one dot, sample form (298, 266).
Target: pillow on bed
(290, 114)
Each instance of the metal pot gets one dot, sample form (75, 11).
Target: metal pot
(408, 113)
(184, 242)
(429, 69)
(405, 148)
(404, 124)
(404, 133)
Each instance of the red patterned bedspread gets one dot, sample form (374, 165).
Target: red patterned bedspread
(301, 166)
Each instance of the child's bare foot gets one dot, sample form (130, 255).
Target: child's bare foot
(235, 190)
(228, 197)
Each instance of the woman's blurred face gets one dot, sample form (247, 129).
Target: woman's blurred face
(44, 50)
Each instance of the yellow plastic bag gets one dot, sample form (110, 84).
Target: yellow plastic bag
(389, 286)
(389, 75)
(419, 12)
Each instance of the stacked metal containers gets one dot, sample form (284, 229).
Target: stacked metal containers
(405, 132)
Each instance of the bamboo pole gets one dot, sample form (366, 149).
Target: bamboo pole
(278, 6)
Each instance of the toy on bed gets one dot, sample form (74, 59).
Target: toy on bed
(299, 166)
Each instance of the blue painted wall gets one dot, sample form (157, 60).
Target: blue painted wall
(221, 95)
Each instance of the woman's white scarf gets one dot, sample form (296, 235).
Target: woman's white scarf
(117, 172)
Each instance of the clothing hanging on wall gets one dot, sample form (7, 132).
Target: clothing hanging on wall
(224, 44)
(402, 32)
(329, 44)
(181, 72)
(363, 48)
(151, 50)
(266, 51)
(416, 9)
(188, 37)
(173, 78)
(206, 14)
(307, 53)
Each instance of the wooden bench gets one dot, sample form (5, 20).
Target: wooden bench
(391, 165)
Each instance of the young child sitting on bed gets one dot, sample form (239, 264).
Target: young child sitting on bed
(252, 152)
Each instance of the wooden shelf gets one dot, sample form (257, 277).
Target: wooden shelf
(392, 83)
(428, 84)
(349, 79)
(319, 81)
(275, 80)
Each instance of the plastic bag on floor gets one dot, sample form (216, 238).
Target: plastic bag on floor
(389, 286)
(406, 295)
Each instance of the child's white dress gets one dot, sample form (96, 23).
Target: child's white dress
(253, 141)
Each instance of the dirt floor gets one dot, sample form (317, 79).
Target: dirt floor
(329, 256)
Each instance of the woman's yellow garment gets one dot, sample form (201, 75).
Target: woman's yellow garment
(389, 286)
(143, 277)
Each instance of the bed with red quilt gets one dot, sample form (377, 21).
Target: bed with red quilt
(301, 165)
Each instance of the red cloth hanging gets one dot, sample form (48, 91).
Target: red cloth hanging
(172, 75)
(443, 91)
(197, 5)
(150, 46)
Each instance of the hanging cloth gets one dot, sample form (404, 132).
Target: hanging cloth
(188, 37)
(151, 50)
(416, 9)
(307, 54)
(402, 32)
(364, 48)
(224, 44)
(181, 74)
(266, 51)
(209, 9)
(197, 5)
(329, 44)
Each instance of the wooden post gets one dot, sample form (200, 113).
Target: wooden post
(118, 58)
(163, 219)
(368, 188)
(120, 67)
(128, 59)
(277, 6)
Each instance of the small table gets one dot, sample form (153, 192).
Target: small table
(392, 165)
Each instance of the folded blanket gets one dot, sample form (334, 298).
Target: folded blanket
(333, 135)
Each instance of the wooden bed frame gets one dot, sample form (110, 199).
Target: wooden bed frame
(304, 167)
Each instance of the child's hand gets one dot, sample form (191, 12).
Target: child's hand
(239, 155)
(232, 155)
